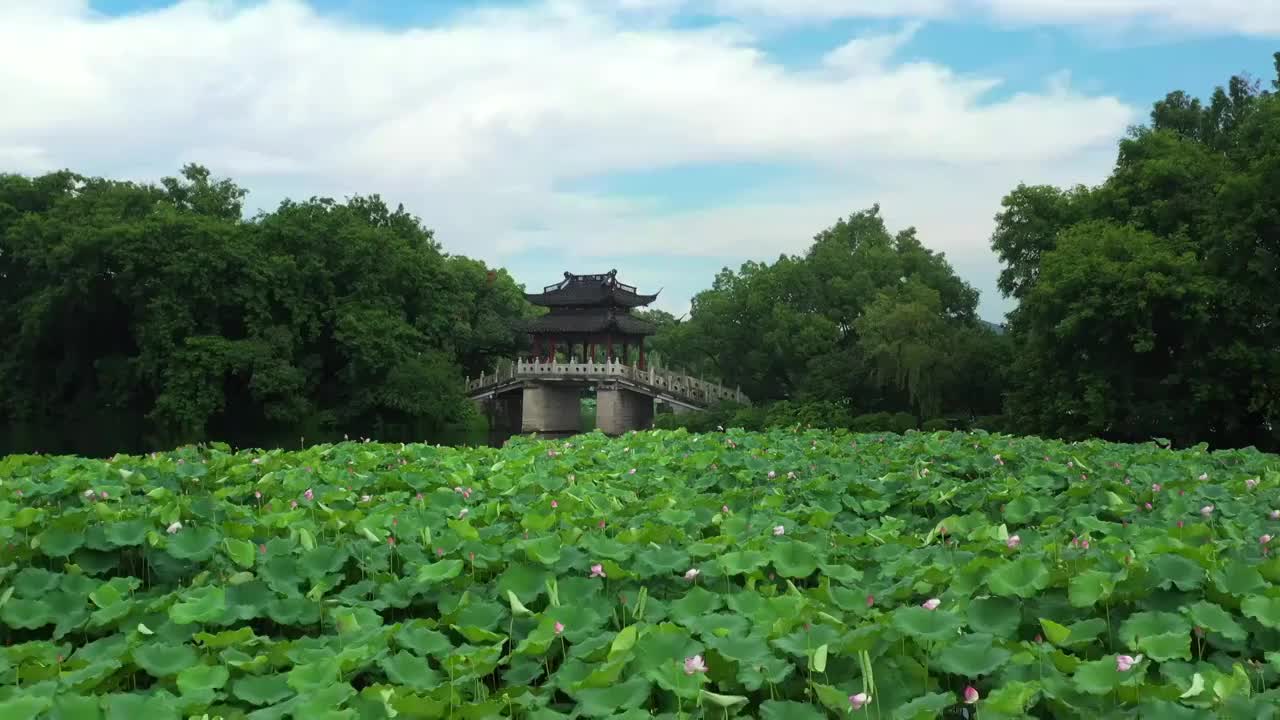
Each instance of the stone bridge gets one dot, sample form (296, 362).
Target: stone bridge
(529, 395)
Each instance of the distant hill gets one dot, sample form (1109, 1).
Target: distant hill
(997, 329)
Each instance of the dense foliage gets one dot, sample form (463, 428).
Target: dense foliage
(765, 575)
(865, 316)
(1148, 306)
(142, 316)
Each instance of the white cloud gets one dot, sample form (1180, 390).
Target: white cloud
(1245, 17)
(477, 124)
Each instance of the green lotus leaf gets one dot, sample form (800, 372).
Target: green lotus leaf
(608, 701)
(546, 549)
(438, 571)
(410, 670)
(1087, 588)
(972, 655)
(924, 708)
(746, 649)
(1176, 570)
(1146, 624)
(1213, 618)
(998, 616)
(202, 605)
(322, 561)
(227, 638)
(60, 541)
(310, 677)
(196, 543)
(743, 562)
(794, 559)
(695, 603)
(34, 582)
(24, 707)
(26, 614)
(802, 641)
(1098, 677)
(1023, 577)
(163, 660)
(789, 710)
(723, 701)
(1239, 579)
(127, 533)
(136, 707)
(241, 552)
(657, 562)
(423, 640)
(261, 689)
(68, 706)
(1166, 646)
(1011, 699)
(199, 679)
(1265, 610)
(929, 625)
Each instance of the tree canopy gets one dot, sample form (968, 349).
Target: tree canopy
(142, 316)
(1149, 304)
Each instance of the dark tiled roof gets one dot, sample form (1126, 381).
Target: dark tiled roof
(589, 320)
(590, 290)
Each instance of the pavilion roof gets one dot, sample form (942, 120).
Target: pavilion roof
(590, 290)
(590, 320)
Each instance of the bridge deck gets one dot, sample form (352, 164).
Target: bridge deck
(662, 384)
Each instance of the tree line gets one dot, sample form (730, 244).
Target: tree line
(1147, 307)
(143, 316)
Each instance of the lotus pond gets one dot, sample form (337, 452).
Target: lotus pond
(778, 575)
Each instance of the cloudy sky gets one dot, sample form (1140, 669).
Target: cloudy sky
(666, 138)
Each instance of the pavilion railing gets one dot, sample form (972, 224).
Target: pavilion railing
(680, 386)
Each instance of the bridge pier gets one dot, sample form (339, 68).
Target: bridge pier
(619, 410)
(504, 413)
(551, 408)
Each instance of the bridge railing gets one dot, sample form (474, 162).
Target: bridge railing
(678, 385)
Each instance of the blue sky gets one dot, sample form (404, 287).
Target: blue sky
(666, 138)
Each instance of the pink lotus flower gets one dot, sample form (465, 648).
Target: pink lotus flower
(293, 504)
(174, 527)
(1251, 483)
(871, 600)
(692, 574)
(1263, 540)
(1179, 523)
(1124, 662)
(632, 471)
(971, 695)
(1155, 487)
(1203, 476)
(308, 494)
(1147, 505)
(725, 509)
(931, 604)
(601, 525)
(559, 627)
(257, 494)
(1207, 510)
(857, 701)
(262, 549)
(1084, 544)
(1275, 514)
(779, 530)
(419, 496)
(1013, 542)
(694, 665)
(772, 474)
(103, 494)
(554, 504)
(597, 570)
